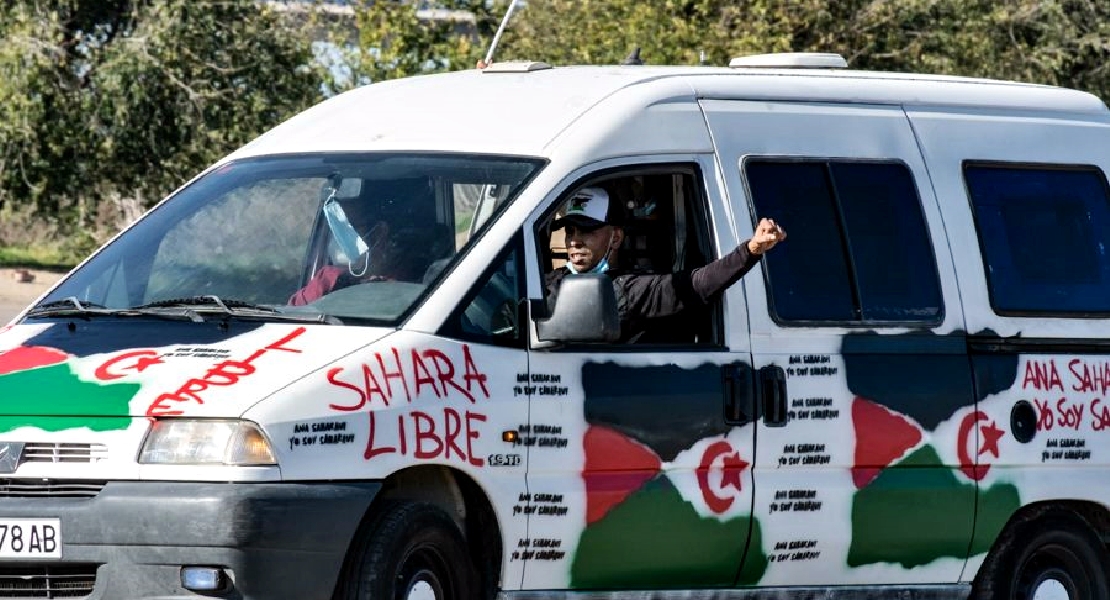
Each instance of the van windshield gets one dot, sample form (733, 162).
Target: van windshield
(355, 236)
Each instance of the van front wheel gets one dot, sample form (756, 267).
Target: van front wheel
(412, 551)
(1054, 558)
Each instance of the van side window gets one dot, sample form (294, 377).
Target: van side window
(859, 248)
(490, 313)
(1014, 206)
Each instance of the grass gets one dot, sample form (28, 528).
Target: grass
(43, 258)
(59, 238)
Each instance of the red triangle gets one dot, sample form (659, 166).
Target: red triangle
(616, 466)
(28, 357)
(882, 436)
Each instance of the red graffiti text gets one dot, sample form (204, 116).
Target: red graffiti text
(441, 433)
(1090, 377)
(1042, 376)
(395, 376)
(224, 373)
(1063, 414)
(1100, 415)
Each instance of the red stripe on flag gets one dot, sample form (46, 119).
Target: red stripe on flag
(29, 357)
(882, 436)
(616, 466)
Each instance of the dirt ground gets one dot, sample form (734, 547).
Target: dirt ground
(20, 287)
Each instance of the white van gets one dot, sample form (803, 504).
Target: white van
(326, 368)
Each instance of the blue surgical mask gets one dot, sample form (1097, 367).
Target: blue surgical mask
(349, 241)
(601, 267)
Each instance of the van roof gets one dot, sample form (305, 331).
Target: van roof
(524, 112)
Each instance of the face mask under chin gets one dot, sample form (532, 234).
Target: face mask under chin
(602, 265)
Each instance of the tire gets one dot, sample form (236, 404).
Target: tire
(411, 550)
(1055, 557)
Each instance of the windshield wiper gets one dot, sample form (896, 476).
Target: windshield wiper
(71, 306)
(67, 306)
(238, 308)
(225, 306)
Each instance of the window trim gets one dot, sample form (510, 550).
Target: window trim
(972, 163)
(448, 330)
(860, 323)
(704, 228)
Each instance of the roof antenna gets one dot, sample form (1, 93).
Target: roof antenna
(633, 58)
(497, 36)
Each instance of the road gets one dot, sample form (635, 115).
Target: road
(18, 289)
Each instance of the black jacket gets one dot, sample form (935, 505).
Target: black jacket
(670, 307)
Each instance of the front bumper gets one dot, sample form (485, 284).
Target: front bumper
(277, 540)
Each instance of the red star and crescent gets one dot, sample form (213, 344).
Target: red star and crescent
(991, 435)
(732, 468)
(141, 360)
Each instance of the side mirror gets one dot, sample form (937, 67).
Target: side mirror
(585, 311)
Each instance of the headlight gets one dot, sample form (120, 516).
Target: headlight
(206, 442)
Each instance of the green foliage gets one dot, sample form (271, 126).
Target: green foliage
(98, 96)
(191, 82)
(107, 98)
(395, 39)
(1058, 42)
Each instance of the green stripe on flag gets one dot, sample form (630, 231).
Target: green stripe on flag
(655, 539)
(918, 511)
(38, 397)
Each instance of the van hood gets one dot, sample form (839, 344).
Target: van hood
(107, 370)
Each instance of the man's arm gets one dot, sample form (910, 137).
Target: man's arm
(664, 295)
(650, 296)
(717, 276)
(712, 279)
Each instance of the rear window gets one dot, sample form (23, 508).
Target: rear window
(1044, 233)
(859, 249)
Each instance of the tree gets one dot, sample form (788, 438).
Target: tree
(190, 82)
(137, 96)
(1062, 42)
(398, 39)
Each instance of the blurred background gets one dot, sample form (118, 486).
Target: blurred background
(106, 106)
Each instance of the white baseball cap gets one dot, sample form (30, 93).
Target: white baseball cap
(590, 207)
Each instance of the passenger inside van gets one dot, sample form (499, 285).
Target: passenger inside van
(383, 249)
(593, 225)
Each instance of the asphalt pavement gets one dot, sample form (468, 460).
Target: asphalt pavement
(20, 287)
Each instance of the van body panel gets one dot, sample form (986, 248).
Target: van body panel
(412, 400)
(654, 479)
(531, 109)
(108, 367)
(870, 433)
(1042, 376)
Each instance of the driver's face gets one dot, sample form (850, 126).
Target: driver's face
(586, 247)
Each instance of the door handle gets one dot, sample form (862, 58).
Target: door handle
(739, 389)
(772, 391)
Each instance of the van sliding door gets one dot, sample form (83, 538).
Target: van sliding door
(863, 375)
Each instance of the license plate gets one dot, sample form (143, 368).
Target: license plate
(30, 538)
